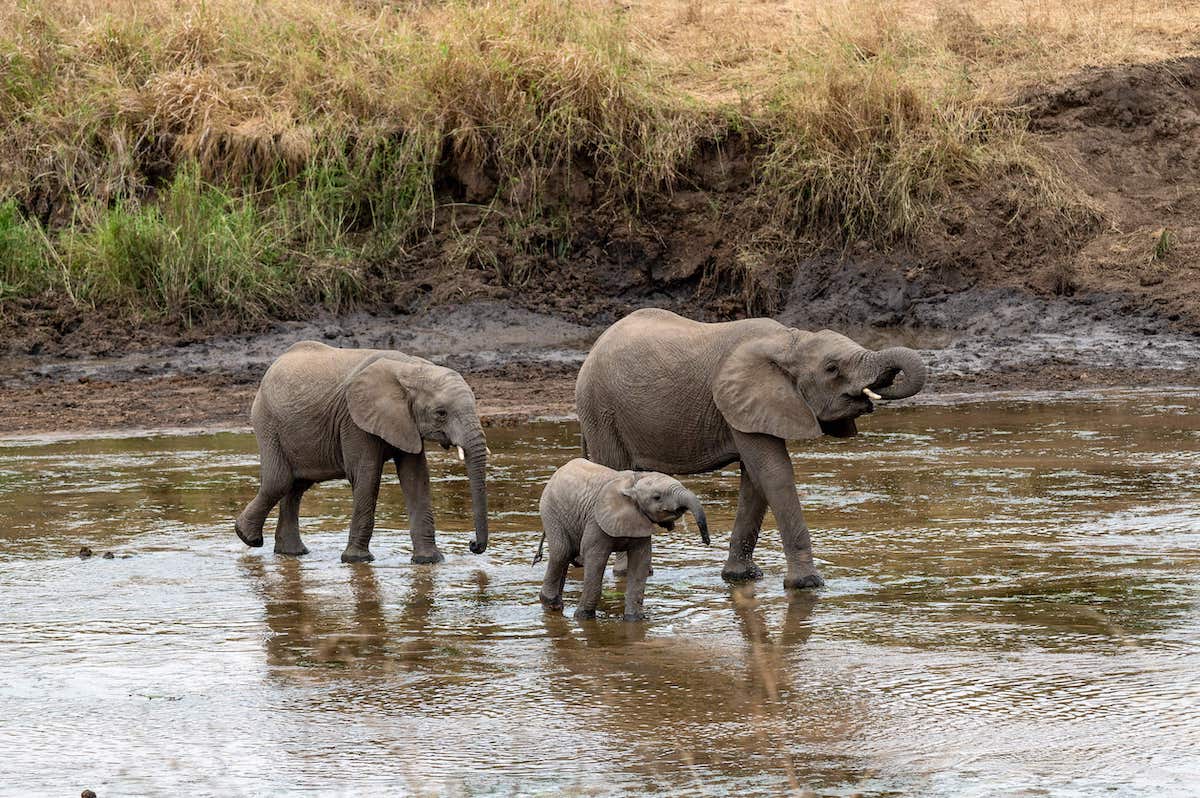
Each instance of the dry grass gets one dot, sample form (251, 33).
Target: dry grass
(732, 52)
(312, 133)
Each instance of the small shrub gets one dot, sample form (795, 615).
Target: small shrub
(23, 264)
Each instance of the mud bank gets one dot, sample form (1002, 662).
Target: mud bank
(522, 364)
(997, 296)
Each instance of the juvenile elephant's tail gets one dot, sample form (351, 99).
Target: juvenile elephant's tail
(537, 558)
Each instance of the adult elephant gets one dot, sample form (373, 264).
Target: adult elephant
(659, 392)
(323, 413)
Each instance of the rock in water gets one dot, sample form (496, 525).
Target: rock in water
(84, 552)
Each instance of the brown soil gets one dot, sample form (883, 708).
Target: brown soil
(1000, 294)
(221, 402)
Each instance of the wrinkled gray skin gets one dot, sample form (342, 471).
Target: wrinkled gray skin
(663, 393)
(323, 413)
(590, 511)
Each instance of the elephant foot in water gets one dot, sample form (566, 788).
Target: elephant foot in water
(254, 542)
(741, 571)
(355, 554)
(427, 558)
(292, 548)
(554, 604)
(803, 577)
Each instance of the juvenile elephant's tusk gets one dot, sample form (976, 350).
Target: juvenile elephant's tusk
(461, 456)
(489, 451)
(867, 392)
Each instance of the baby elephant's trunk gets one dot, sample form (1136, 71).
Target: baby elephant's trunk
(689, 500)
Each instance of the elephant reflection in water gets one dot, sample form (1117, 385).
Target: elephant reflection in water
(307, 629)
(700, 687)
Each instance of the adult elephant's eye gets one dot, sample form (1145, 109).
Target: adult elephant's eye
(440, 414)
(831, 369)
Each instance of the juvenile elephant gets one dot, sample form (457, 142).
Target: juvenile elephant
(591, 511)
(323, 413)
(664, 393)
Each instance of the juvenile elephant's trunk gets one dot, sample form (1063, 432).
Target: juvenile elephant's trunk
(689, 500)
(475, 455)
(884, 366)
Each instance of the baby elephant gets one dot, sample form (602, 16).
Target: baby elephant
(590, 511)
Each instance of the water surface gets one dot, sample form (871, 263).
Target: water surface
(1013, 608)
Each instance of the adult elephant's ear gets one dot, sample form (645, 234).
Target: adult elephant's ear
(757, 394)
(379, 403)
(617, 511)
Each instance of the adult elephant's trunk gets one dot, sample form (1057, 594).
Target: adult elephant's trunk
(475, 455)
(882, 368)
(689, 500)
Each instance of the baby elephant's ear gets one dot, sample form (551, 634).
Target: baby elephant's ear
(618, 513)
(379, 404)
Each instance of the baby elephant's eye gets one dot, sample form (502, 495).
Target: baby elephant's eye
(657, 497)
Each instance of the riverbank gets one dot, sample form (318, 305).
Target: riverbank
(522, 364)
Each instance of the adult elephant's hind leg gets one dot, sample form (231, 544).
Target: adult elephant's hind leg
(287, 531)
(275, 479)
(752, 506)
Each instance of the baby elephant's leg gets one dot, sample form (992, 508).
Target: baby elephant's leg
(557, 562)
(596, 550)
(635, 584)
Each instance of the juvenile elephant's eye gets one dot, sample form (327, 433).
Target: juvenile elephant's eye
(831, 369)
(657, 497)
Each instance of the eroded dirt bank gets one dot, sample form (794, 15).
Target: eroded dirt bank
(996, 297)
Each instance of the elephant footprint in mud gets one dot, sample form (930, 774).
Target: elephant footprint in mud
(590, 511)
(323, 413)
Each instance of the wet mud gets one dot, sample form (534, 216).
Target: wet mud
(522, 364)
(1011, 608)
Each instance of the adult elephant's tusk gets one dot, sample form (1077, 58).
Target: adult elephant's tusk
(461, 455)
(867, 392)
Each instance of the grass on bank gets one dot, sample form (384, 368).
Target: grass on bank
(250, 159)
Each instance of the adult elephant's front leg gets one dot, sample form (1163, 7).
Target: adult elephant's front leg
(751, 508)
(765, 460)
(364, 480)
(413, 471)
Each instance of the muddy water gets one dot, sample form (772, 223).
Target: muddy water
(1013, 607)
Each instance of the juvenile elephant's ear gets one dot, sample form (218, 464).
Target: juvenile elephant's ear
(379, 404)
(617, 512)
(756, 394)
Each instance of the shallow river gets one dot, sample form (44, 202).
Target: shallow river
(1013, 608)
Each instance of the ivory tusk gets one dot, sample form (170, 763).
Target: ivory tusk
(461, 456)
(489, 451)
(867, 392)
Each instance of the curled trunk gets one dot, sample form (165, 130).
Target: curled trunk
(895, 373)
